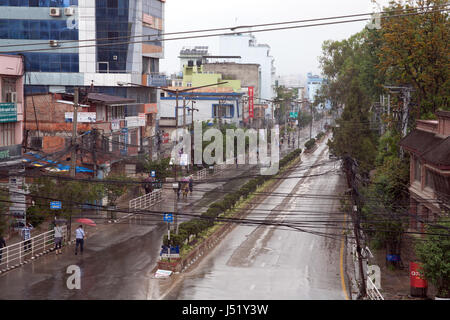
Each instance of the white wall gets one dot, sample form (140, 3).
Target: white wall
(239, 46)
(167, 109)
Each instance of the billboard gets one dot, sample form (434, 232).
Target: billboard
(82, 117)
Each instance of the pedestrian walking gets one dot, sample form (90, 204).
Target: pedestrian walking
(79, 236)
(58, 238)
(26, 235)
(191, 185)
(178, 190)
(2, 245)
(185, 190)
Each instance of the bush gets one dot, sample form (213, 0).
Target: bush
(310, 143)
(207, 219)
(320, 135)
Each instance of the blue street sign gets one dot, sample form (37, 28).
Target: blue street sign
(153, 173)
(168, 217)
(55, 205)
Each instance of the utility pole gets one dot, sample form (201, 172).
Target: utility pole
(73, 157)
(312, 118)
(177, 157)
(298, 126)
(192, 135)
(355, 218)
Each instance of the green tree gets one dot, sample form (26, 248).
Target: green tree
(415, 51)
(71, 193)
(349, 66)
(161, 167)
(434, 252)
(115, 188)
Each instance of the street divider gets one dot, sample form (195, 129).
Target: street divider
(188, 232)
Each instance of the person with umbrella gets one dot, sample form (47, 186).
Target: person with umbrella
(80, 234)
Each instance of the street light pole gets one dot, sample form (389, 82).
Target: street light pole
(310, 124)
(175, 203)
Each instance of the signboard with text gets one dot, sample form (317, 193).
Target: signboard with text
(10, 152)
(55, 205)
(141, 119)
(135, 121)
(115, 125)
(8, 112)
(82, 117)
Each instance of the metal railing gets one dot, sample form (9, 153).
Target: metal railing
(201, 174)
(218, 168)
(372, 291)
(17, 254)
(146, 201)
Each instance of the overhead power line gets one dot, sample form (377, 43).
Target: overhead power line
(223, 28)
(224, 34)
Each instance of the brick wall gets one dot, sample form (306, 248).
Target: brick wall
(52, 143)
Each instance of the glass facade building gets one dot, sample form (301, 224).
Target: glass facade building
(55, 59)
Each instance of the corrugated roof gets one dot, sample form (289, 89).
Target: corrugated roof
(108, 99)
(419, 141)
(439, 154)
(428, 146)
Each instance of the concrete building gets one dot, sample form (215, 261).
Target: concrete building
(220, 104)
(11, 108)
(193, 56)
(56, 65)
(313, 85)
(250, 51)
(248, 73)
(108, 135)
(429, 188)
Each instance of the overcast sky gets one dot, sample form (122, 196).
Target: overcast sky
(295, 51)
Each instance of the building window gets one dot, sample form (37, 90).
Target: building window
(7, 134)
(417, 170)
(118, 113)
(429, 179)
(9, 90)
(115, 142)
(223, 111)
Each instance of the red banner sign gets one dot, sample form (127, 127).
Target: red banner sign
(250, 102)
(414, 275)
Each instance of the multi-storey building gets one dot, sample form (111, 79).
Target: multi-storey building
(84, 43)
(313, 85)
(250, 51)
(11, 108)
(429, 188)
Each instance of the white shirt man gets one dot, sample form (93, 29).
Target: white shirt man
(79, 235)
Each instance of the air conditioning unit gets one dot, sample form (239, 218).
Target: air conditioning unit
(53, 43)
(115, 58)
(69, 11)
(11, 97)
(55, 12)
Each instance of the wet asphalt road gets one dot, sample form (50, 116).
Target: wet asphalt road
(116, 264)
(267, 263)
